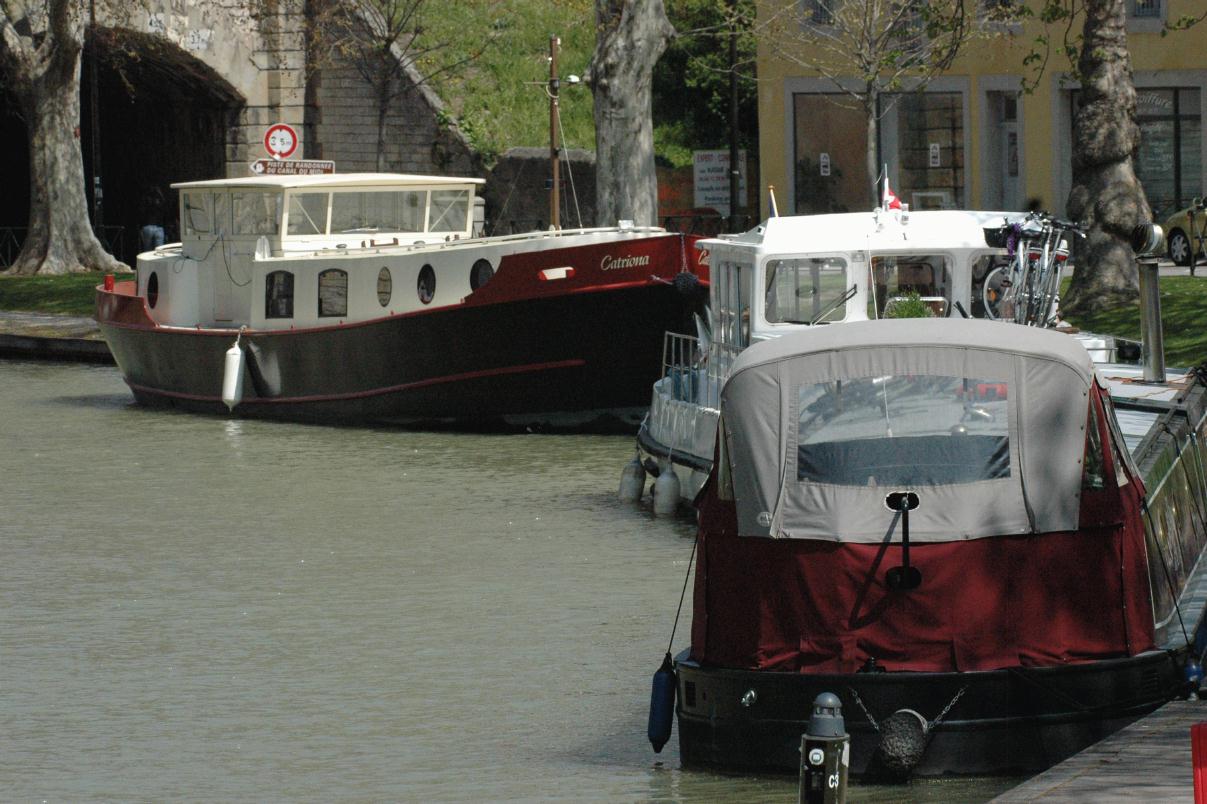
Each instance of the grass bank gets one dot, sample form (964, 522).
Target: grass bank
(72, 294)
(1182, 305)
(1183, 300)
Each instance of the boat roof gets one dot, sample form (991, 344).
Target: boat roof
(876, 401)
(924, 333)
(879, 230)
(329, 180)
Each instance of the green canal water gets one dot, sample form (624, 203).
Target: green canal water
(193, 608)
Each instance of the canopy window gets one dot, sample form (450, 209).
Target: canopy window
(903, 431)
(806, 290)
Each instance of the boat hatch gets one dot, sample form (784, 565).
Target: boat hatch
(987, 426)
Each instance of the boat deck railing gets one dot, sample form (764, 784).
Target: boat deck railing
(696, 375)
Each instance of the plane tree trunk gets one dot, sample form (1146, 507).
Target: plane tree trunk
(45, 80)
(1106, 194)
(630, 37)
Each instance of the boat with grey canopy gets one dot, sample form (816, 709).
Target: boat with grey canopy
(986, 544)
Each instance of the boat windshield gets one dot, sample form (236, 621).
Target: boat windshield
(896, 277)
(450, 211)
(911, 430)
(256, 213)
(372, 212)
(800, 290)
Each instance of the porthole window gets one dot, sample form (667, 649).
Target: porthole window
(385, 286)
(152, 290)
(426, 286)
(333, 293)
(480, 274)
(278, 295)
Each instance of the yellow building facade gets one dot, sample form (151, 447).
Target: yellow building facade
(973, 138)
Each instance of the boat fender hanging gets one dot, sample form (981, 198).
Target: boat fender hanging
(686, 283)
(903, 739)
(232, 376)
(632, 481)
(666, 492)
(662, 704)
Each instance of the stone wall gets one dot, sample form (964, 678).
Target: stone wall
(517, 190)
(343, 127)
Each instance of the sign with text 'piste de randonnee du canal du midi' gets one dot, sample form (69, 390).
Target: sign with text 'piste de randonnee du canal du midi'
(711, 176)
(281, 141)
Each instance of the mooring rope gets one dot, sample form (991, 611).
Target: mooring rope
(683, 594)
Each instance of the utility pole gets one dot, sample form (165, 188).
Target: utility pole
(735, 173)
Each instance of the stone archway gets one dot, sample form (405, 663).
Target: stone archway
(163, 115)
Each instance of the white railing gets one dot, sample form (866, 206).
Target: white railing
(695, 377)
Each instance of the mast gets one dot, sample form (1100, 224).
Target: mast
(554, 83)
(735, 173)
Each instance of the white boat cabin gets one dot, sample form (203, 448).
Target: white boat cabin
(793, 272)
(280, 252)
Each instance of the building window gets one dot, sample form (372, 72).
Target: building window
(385, 286)
(426, 286)
(278, 295)
(333, 293)
(1146, 9)
(818, 12)
(1170, 160)
(830, 155)
(923, 136)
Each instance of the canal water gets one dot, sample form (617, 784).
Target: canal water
(201, 609)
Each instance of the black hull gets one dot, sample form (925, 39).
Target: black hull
(582, 361)
(1010, 721)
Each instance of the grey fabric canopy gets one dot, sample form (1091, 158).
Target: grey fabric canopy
(985, 421)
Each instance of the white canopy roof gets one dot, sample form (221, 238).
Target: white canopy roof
(329, 180)
(984, 420)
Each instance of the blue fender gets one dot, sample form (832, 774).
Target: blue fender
(662, 704)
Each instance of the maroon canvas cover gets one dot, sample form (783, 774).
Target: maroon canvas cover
(809, 606)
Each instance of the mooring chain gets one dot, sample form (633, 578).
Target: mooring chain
(947, 708)
(866, 713)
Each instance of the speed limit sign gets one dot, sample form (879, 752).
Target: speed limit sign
(280, 141)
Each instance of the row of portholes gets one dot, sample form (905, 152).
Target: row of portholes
(279, 288)
(425, 285)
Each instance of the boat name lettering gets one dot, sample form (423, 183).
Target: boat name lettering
(610, 263)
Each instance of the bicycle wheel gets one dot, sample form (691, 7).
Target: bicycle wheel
(994, 294)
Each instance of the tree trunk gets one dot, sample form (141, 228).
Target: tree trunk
(630, 37)
(1106, 194)
(59, 239)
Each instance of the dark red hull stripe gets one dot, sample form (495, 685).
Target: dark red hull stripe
(392, 389)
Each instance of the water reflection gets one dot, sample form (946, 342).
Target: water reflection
(250, 610)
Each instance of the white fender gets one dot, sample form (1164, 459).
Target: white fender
(232, 376)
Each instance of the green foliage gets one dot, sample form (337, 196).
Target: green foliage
(691, 80)
(67, 294)
(499, 99)
(909, 305)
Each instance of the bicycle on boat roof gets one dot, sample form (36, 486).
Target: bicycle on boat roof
(1026, 289)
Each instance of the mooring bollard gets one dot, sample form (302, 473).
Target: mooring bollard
(825, 754)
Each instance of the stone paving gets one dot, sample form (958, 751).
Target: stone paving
(1147, 761)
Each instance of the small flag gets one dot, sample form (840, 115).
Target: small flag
(889, 201)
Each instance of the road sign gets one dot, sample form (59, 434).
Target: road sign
(292, 167)
(280, 141)
(711, 179)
